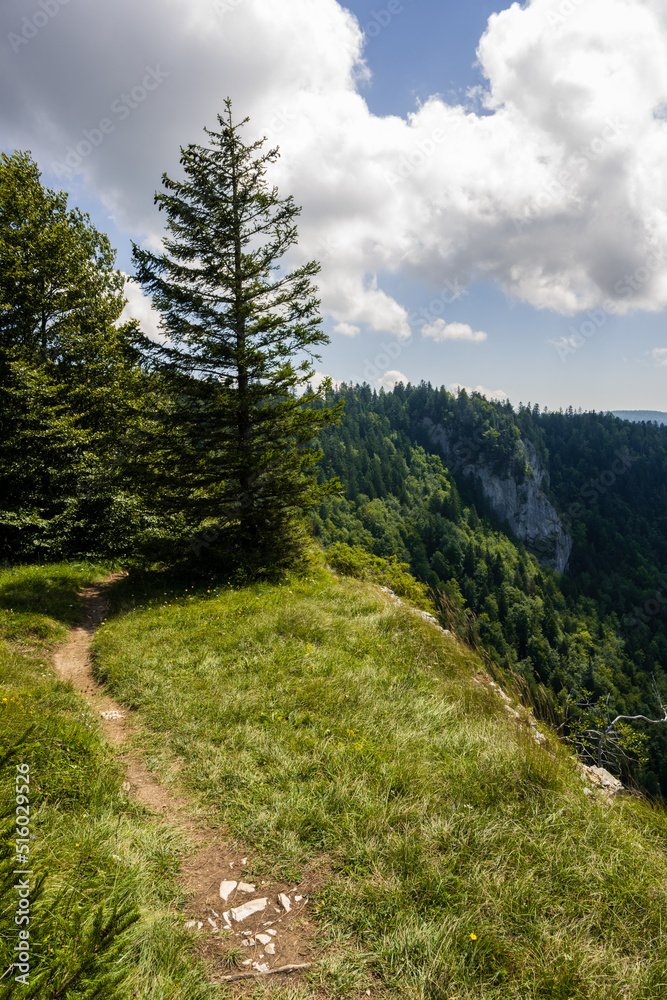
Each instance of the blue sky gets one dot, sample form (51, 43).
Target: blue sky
(477, 213)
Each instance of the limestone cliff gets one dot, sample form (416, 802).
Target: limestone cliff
(523, 506)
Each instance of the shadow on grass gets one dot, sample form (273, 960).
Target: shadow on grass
(51, 590)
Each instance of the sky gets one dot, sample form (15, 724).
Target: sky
(485, 184)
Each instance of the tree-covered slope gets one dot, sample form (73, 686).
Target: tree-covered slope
(577, 632)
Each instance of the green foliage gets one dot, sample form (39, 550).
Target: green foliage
(232, 451)
(355, 561)
(71, 389)
(334, 731)
(557, 635)
(96, 861)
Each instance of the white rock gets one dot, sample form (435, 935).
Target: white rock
(199, 925)
(260, 968)
(603, 779)
(212, 923)
(190, 924)
(244, 861)
(263, 938)
(272, 932)
(297, 899)
(226, 889)
(246, 933)
(247, 961)
(285, 902)
(247, 942)
(240, 913)
(245, 887)
(270, 949)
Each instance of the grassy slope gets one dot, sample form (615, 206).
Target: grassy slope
(94, 846)
(322, 723)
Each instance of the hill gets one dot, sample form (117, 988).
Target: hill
(325, 727)
(487, 505)
(656, 416)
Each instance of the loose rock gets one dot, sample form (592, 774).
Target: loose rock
(240, 913)
(226, 889)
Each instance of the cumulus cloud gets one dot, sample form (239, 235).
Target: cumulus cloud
(390, 378)
(556, 192)
(659, 355)
(347, 329)
(439, 331)
(140, 308)
(499, 395)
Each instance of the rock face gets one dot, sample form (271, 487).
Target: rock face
(522, 506)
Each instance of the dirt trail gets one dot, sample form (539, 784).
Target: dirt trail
(216, 877)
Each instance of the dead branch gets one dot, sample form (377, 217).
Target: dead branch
(271, 972)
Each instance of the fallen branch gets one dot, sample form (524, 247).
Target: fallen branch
(271, 972)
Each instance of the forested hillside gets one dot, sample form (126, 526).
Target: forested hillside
(596, 632)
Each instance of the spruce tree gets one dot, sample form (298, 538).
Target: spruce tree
(71, 387)
(235, 461)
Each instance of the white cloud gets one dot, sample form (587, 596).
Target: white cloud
(347, 329)
(557, 193)
(317, 380)
(499, 395)
(139, 307)
(659, 355)
(389, 379)
(439, 331)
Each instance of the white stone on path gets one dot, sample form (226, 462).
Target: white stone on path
(270, 949)
(245, 887)
(263, 938)
(240, 913)
(226, 889)
(260, 968)
(271, 932)
(285, 902)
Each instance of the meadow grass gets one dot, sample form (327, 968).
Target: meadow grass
(92, 844)
(324, 725)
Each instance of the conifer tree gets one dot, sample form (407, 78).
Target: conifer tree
(237, 462)
(71, 388)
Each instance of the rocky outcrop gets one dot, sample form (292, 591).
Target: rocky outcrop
(523, 507)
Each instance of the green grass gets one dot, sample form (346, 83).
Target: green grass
(93, 846)
(320, 723)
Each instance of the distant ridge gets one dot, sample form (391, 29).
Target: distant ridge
(639, 415)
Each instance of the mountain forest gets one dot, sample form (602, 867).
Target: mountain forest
(296, 620)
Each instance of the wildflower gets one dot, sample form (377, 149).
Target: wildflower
(473, 937)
